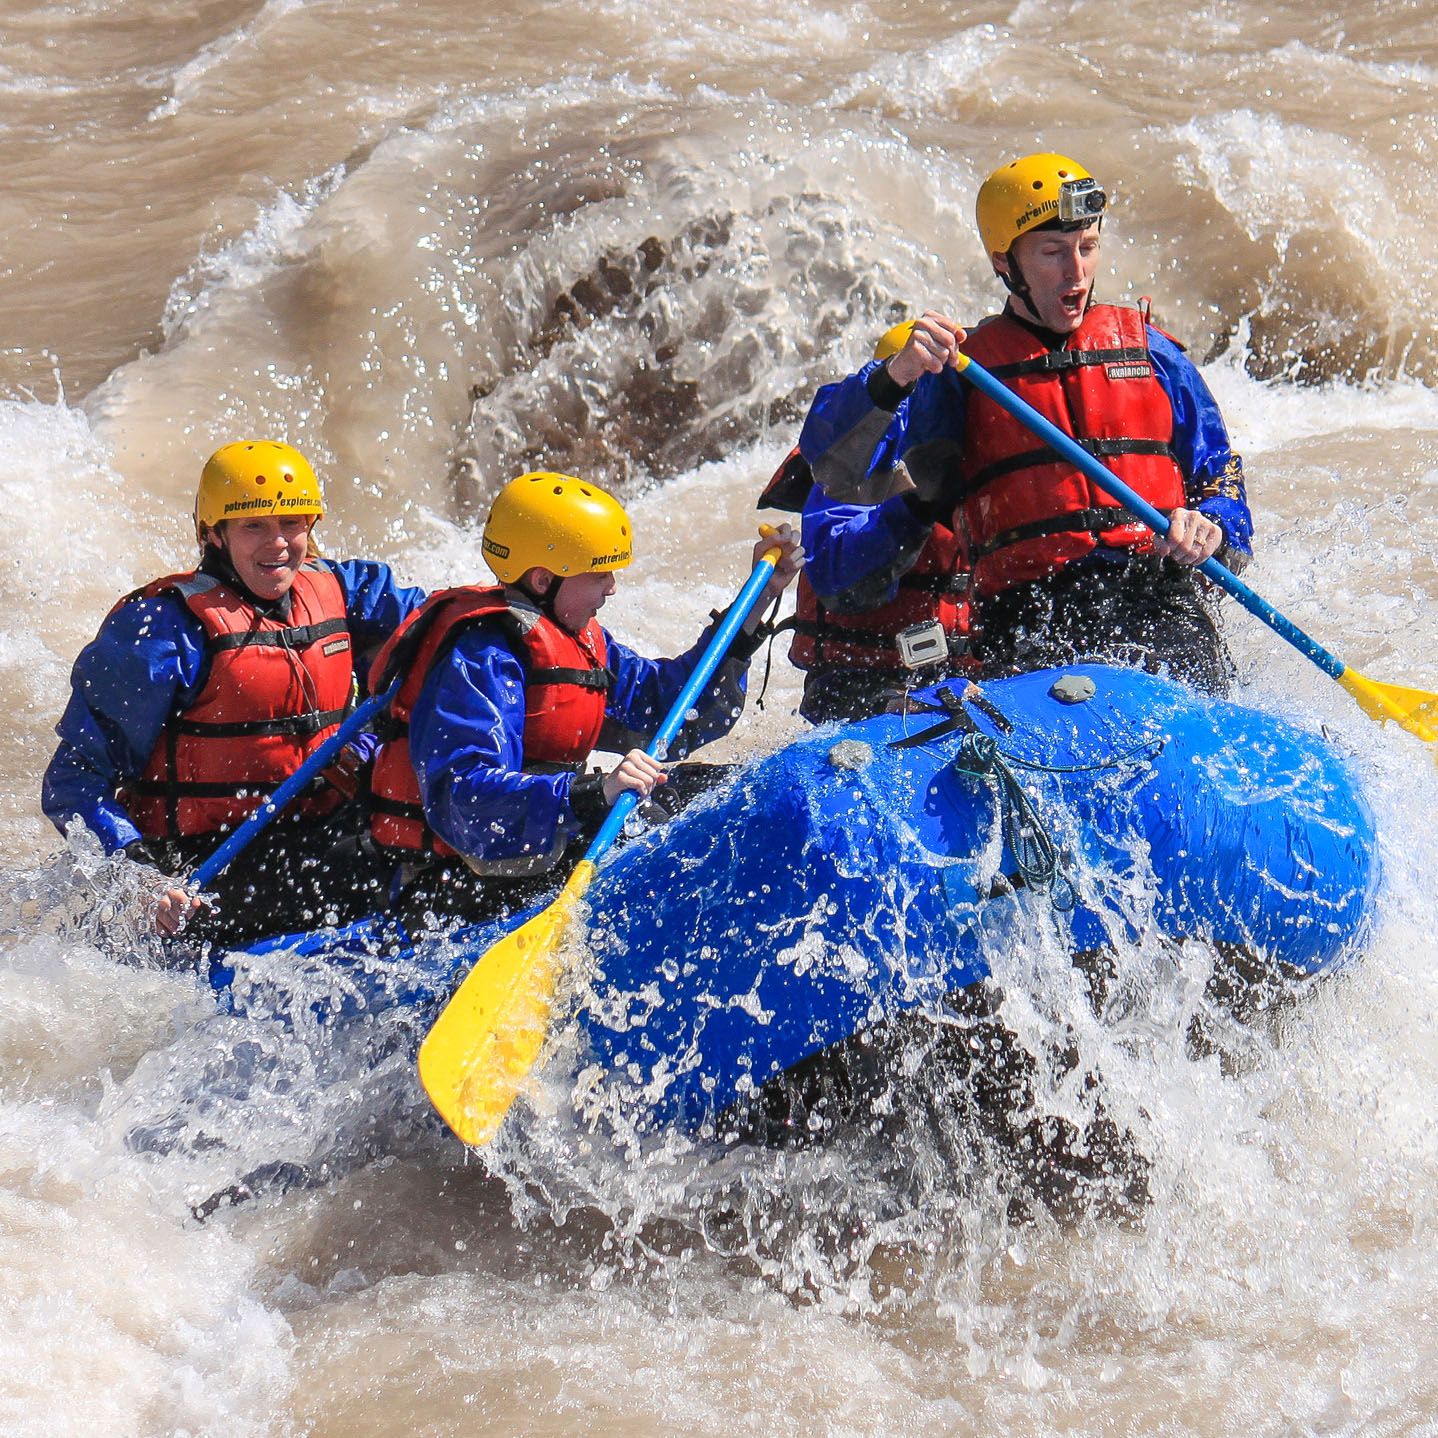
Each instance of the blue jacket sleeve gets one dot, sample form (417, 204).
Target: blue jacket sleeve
(843, 410)
(147, 659)
(858, 553)
(466, 740)
(466, 737)
(1213, 472)
(933, 434)
(852, 435)
(642, 691)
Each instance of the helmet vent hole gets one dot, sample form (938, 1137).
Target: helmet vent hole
(260, 479)
(1038, 184)
(559, 489)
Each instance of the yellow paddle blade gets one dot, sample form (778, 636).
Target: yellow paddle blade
(1414, 709)
(491, 1032)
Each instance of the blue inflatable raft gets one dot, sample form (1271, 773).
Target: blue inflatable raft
(868, 869)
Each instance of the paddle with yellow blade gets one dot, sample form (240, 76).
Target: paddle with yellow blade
(491, 1032)
(1413, 709)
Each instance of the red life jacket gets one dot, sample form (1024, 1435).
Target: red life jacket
(935, 587)
(276, 689)
(1026, 512)
(566, 683)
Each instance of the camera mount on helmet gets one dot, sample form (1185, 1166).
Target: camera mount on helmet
(1081, 202)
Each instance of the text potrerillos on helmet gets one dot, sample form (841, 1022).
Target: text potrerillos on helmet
(1034, 191)
(256, 478)
(564, 524)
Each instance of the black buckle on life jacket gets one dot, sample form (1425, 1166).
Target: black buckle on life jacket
(1057, 360)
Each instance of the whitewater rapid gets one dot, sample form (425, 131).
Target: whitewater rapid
(434, 246)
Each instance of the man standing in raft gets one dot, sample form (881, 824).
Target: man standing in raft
(508, 689)
(1057, 571)
(204, 691)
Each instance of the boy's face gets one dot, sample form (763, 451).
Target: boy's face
(581, 597)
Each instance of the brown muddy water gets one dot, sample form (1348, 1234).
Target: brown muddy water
(436, 243)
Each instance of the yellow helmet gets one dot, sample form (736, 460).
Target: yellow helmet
(1034, 191)
(893, 340)
(255, 477)
(567, 525)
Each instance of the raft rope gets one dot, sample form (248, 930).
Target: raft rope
(1035, 853)
(1036, 856)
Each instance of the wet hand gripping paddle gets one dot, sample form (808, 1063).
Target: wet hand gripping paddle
(1412, 709)
(491, 1032)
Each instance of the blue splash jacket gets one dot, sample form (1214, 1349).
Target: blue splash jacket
(466, 738)
(866, 424)
(148, 662)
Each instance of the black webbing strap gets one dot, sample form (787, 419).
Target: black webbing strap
(581, 678)
(1057, 361)
(951, 705)
(300, 637)
(957, 718)
(824, 633)
(382, 804)
(293, 724)
(1099, 448)
(196, 790)
(1082, 521)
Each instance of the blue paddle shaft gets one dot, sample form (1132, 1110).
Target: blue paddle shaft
(1156, 520)
(709, 661)
(221, 859)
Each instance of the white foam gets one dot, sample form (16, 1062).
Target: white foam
(1266, 415)
(1278, 176)
(939, 76)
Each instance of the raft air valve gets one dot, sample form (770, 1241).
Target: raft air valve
(1074, 689)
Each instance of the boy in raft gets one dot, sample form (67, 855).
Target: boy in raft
(204, 691)
(1055, 571)
(509, 688)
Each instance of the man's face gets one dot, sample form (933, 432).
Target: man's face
(1059, 267)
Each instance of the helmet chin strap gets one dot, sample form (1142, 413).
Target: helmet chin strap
(1016, 284)
(545, 601)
